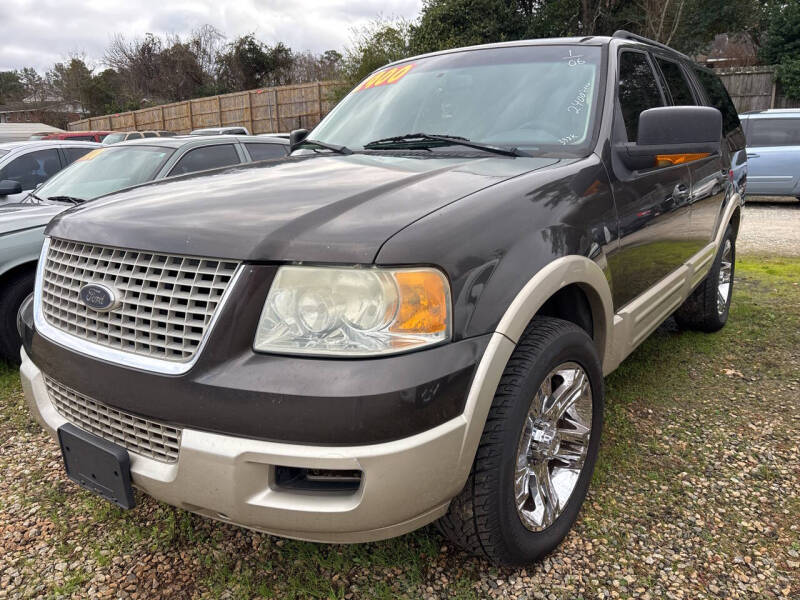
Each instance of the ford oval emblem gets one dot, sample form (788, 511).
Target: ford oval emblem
(99, 297)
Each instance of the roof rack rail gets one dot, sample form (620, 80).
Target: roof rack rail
(627, 35)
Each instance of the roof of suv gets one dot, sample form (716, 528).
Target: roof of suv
(590, 40)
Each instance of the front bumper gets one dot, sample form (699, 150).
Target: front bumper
(405, 483)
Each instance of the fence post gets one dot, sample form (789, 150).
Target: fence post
(249, 116)
(319, 101)
(189, 111)
(219, 111)
(774, 86)
(277, 112)
(162, 118)
(135, 124)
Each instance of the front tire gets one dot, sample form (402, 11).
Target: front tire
(707, 308)
(538, 449)
(14, 292)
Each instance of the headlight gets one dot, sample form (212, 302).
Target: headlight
(354, 311)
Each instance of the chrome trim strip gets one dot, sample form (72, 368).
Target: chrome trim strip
(111, 355)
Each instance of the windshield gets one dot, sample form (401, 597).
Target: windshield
(106, 170)
(113, 138)
(528, 96)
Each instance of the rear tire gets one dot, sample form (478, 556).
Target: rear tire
(707, 308)
(537, 452)
(15, 290)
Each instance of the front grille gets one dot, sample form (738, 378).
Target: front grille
(167, 301)
(141, 436)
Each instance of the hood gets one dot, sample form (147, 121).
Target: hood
(16, 217)
(318, 208)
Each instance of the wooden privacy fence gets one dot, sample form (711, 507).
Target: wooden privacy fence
(755, 88)
(267, 110)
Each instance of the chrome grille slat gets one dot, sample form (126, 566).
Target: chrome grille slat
(168, 300)
(141, 436)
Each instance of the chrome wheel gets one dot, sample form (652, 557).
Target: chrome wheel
(724, 283)
(553, 446)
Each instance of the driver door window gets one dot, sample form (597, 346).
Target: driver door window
(637, 90)
(32, 168)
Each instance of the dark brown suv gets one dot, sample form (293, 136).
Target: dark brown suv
(409, 318)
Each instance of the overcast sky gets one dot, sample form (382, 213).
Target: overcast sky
(38, 33)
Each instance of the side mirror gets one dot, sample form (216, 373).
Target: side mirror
(296, 137)
(9, 187)
(671, 135)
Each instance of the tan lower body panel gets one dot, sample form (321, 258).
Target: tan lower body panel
(405, 483)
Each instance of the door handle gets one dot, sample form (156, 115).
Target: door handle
(752, 156)
(681, 191)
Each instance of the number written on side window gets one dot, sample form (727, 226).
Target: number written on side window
(208, 157)
(637, 90)
(265, 151)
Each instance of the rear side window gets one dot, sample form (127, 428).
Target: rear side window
(208, 157)
(32, 168)
(265, 151)
(150, 134)
(718, 96)
(637, 90)
(773, 132)
(133, 136)
(73, 154)
(678, 85)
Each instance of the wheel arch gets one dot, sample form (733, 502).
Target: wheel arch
(569, 272)
(16, 270)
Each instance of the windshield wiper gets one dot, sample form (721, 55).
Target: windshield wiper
(31, 195)
(447, 139)
(334, 147)
(66, 199)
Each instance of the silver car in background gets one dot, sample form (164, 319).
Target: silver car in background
(24, 165)
(103, 171)
(773, 152)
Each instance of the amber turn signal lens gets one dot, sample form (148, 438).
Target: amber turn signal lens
(665, 160)
(423, 302)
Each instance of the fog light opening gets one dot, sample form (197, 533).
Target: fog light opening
(317, 480)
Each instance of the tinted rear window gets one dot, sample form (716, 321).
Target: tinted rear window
(208, 157)
(773, 132)
(73, 154)
(265, 151)
(80, 138)
(719, 98)
(678, 86)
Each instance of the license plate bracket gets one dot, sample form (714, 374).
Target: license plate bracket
(97, 465)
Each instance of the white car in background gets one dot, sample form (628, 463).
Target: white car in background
(25, 165)
(221, 131)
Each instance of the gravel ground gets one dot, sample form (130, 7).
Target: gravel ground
(697, 495)
(771, 225)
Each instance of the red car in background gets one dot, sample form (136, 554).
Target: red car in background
(83, 136)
